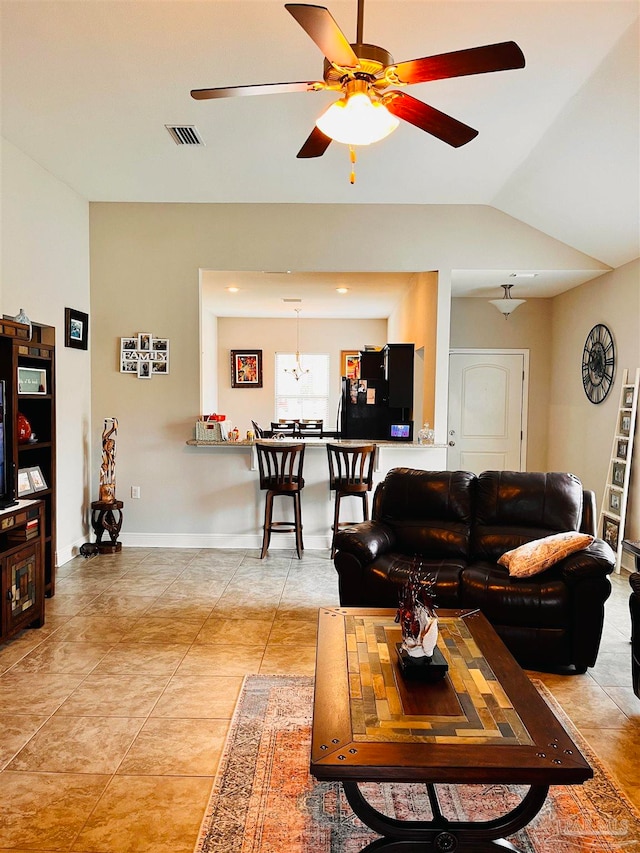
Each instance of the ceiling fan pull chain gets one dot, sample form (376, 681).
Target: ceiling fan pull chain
(352, 155)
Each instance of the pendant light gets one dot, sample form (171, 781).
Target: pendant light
(298, 371)
(507, 305)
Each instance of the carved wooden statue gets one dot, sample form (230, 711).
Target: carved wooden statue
(108, 466)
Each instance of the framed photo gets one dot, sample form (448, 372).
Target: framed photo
(627, 398)
(24, 483)
(160, 347)
(76, 328)
(129, 366)
(246, 368)
(145, 342)
(617, 475)
(159, 367)
(614, 501)
(144, 369)
(625, 423)
(610, 531)
(350, 364)
(32, 380)
(622, 447)
(128, 344)
(38, 482)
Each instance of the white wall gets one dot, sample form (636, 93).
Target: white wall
(581, 433)
(45, 268)
(145, 262)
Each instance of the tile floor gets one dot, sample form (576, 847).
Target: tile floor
(114, 714)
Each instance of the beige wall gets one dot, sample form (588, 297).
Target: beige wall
(145, 262)
(242, 405)
(45, 268)
(477, 323)
(581, 433)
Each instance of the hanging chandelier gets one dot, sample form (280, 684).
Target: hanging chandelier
(507, 305)
(298, 371)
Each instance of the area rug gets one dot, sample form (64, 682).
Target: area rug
(265, 801)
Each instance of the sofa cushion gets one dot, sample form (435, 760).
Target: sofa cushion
(540, 554)
(429, 511)
(514, 507)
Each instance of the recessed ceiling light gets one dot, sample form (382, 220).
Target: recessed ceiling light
(233, 289)
(523, 275)
(342, 290)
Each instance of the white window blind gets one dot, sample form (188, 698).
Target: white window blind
(308, 397)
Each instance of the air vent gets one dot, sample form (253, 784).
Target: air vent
(291, 300)
(184, 134)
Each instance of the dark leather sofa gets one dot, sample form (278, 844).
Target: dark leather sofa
(634, 606)
(455, 525)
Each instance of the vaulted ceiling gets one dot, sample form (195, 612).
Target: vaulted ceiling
(88, 87)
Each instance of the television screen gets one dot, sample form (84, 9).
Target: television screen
(6, 481)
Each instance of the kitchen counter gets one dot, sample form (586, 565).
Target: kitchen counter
(237, 503)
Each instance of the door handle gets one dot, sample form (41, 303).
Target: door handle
(452, 444)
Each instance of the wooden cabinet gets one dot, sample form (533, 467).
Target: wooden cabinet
(398, 371)
(21, 568)
(34, 397)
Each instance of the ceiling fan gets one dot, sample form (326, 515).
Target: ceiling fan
(364, 72)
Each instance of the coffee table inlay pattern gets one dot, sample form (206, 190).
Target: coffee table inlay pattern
(476, 711)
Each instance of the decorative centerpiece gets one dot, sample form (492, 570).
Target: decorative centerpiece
(107, 492)
(418, 653)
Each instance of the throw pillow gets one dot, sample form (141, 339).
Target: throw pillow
(540, 554)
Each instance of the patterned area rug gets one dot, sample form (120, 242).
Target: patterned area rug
(265, 801)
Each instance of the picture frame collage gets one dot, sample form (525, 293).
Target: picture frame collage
(31, 480)
(144, 356)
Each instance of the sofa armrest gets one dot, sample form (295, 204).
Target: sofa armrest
(598, 560)
(365, 540)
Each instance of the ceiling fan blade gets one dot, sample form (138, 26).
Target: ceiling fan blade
(459, 63)
(315, 146)
(255, 89)
(427, 118)
(319, 24)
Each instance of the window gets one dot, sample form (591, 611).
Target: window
(308, 397)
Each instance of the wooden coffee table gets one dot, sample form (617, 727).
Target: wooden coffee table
(483, 723)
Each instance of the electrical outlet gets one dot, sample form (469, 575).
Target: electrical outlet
(135, 491)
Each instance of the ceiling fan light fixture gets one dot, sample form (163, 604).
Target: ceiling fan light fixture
(357, 120)
(507, 305)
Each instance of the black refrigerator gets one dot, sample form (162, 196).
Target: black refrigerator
(364, 409)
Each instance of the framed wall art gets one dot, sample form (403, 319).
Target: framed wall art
(611, 531)
(246, 368)
(625, 423)
(614, 501)
(622, 448)
(627, 397)
(617, 474)
(76, 329)
(350, 364)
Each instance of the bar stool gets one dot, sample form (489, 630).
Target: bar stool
(350, 473)
(280, 467)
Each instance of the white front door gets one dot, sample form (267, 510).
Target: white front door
(487, 405)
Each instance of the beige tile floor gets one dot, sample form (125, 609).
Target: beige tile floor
(114, 714)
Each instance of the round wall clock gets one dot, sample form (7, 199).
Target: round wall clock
(598, 363)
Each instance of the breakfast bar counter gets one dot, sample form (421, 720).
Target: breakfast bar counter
(238, 504)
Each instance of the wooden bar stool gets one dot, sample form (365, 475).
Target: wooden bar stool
(350, 473)
(280, 467)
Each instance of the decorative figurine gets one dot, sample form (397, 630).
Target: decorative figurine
(107, 492)
(418, 654)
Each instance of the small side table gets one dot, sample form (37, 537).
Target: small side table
(104, 520)
(633, 547)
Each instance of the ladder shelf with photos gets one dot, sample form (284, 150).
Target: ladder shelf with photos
(614, 505)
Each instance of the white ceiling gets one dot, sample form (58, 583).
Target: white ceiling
(88, 87)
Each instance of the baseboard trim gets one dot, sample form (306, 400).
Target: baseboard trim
(253, 542)
(63, 555)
